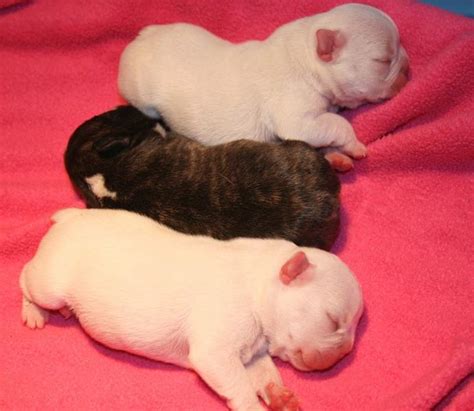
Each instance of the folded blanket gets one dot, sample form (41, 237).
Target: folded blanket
(407, 209)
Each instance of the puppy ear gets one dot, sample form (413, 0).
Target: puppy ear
(294, 267)
(328, 43)
(108, 147)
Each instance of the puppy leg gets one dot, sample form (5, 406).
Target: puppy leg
(33, 316)
(265, 379)
(325, 130)
(227, 376)
(32, 312)
(338, 133)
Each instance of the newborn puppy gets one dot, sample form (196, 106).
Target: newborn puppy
(221, 308)
(290, 85)
(239, 189)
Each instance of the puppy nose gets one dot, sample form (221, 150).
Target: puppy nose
(322, 362)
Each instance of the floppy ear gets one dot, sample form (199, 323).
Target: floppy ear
(295, 266)
(329, 42)
(108, 147)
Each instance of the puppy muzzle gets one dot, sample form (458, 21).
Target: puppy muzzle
(321, 360)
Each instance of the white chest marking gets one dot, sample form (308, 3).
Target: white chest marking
(160, 130)
(97, 185)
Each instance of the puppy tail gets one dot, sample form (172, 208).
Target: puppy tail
(66, 214)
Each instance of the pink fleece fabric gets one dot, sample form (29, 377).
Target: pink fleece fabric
(407, 209)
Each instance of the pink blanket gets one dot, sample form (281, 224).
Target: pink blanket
(407, 215)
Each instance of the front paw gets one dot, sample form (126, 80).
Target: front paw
(281, 398)
(355, 149)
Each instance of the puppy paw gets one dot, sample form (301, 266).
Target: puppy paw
(338, 161)
(66, 312)
(355, 149)
(281, 398)
(32, 315)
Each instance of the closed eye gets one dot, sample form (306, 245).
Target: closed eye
(383, 60)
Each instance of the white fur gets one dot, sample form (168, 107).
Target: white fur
(215, 91)
(217, 307)
(97, 185)
(160, 130)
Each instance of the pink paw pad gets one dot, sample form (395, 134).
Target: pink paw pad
(281, 398)
(339, 162)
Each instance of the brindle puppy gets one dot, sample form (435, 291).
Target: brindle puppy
(123, 159)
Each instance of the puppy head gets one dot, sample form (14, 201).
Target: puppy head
(359, 56)
(111, 132)
(106, 140)
(317, 310)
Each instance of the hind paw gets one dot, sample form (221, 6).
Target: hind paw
(281, 398)
(32, 315)
(339, 162)
(66, 312)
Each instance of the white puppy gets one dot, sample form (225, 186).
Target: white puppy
(289, 85)
(220, 308)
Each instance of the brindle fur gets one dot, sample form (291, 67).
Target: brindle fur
(239, 189)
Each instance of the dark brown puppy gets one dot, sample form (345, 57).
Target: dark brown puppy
(239, 189)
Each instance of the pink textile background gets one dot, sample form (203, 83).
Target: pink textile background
(407, 209)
